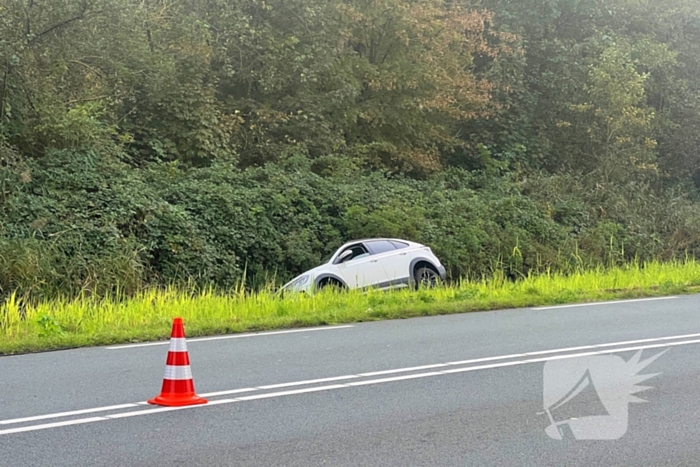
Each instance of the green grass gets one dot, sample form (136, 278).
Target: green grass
(147, 316)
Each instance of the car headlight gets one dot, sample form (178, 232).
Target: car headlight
(302, 280)
(297, 283)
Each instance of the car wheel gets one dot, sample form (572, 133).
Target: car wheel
(331, 284)
(426, 277)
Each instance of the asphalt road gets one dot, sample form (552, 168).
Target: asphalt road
(449, 390)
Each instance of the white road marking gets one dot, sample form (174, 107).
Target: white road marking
(148, 411)
(440, 365)
(582, 347)
(395, 378)
(165, 409)
(371, 374)
(614, 302)
(226, 393)
(45, 426)
(310, 381)
(67, 414)
(416, 368)
(232, 336)
(342, 386)
(288, 393)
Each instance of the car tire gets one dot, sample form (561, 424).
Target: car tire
(425, 276)
(331, 284)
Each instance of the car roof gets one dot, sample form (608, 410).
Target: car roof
(376, 239)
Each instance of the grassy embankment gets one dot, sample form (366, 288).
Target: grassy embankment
(86, 321)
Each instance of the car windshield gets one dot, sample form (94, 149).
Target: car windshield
(327, 258)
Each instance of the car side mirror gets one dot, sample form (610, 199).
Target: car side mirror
(343, 256)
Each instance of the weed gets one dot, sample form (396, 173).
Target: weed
(147, 315)
(49, 327)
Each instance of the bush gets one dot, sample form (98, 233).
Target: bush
(81, 222)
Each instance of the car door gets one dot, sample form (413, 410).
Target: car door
(396, 263)
(363, 269)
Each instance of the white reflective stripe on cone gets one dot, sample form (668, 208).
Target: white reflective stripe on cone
(177, 344)
(178, 372)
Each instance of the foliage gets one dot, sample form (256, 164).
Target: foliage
(148, 142)
(83, 321)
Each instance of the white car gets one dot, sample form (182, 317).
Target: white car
(378, 262)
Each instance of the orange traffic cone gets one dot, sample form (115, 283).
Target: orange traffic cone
(178, 385)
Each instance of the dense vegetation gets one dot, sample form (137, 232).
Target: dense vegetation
(157, 141)
(59, 323)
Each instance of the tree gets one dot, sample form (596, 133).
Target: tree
(413, 66)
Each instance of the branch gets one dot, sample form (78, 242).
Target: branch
(26, 93)
(88, 99)
(94, 70)
(149, 37)
(77, 17)
(127, 114)
(300, 18)
(3, 91)
(28, 24)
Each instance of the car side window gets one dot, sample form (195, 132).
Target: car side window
(358, 251)
(399, 245)
(380, 246)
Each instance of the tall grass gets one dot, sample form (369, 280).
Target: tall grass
(87, 320)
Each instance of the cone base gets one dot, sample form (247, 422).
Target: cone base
(177, 400)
